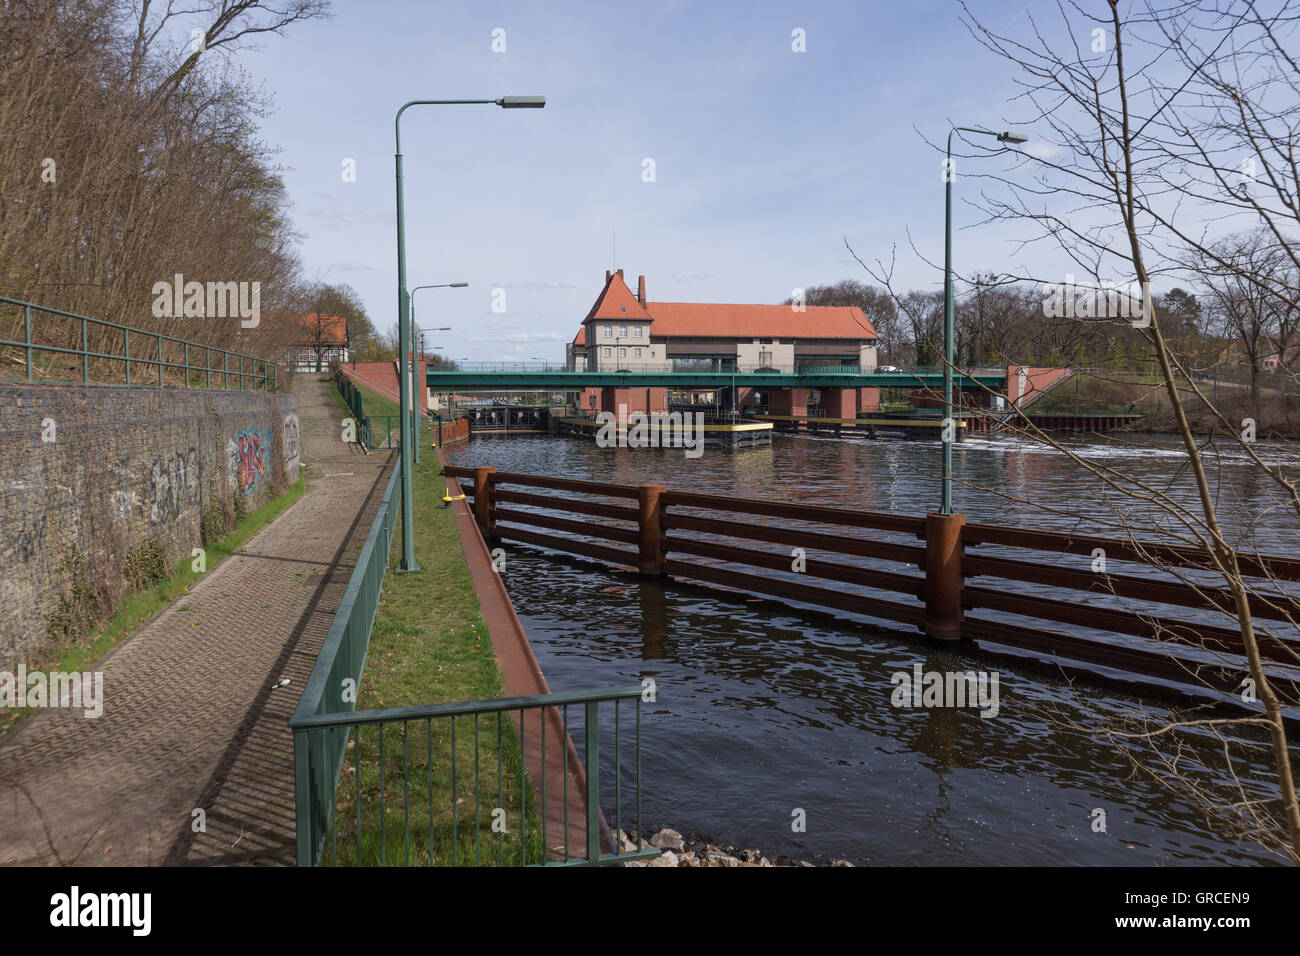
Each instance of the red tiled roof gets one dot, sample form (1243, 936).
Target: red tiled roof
(720, 320)
(616, 301)
(334, 332)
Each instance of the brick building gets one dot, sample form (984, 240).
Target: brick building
(625, 331)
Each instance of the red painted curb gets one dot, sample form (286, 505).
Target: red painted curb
(522, 676)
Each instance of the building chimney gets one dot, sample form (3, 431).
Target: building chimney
(608, 275)
(640, 289)
(619, 273)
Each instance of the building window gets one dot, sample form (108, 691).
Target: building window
(622, 331)
(622, 353)
(636, 332)
(636, 353)
(609, 331)
(608, 352)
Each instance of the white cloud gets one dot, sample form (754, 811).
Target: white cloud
(538, 286)
(352, 214)
(521, 337)
(1041, 149)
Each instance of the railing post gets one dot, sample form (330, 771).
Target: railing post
(943, 582)
(27, 330)
(304, 808)
(483, 500)
(126, 348)
(593, 783)
(650, 523)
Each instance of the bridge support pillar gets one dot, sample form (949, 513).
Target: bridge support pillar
(839, 402)
(483, 501)
(943, 581)
(650, 512)
(788, 401)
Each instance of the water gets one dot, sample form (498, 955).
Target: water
(763, 710)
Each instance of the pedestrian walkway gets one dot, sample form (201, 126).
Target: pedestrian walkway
(192, 760)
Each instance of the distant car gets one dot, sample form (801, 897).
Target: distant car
(888, 368)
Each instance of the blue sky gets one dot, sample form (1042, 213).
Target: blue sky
(764, 158)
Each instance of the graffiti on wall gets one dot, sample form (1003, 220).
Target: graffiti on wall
(253, 458)
(173, 484)
(291, 446)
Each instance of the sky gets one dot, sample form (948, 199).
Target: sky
(765, 159)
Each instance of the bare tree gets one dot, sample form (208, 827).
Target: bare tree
(1105, 89)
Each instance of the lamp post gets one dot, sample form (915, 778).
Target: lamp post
(415, 362)
(408, 563)
(945, 507)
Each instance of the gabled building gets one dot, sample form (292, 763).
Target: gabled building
(319, 339)
(626, 331)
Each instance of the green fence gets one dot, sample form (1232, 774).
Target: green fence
(334, 682)
(351, 395)
(382, 431)
(326, 723)
(426, 791)
(154, 355)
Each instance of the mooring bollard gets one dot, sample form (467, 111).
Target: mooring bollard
(483, 500)
(943, 582)
(650, 511)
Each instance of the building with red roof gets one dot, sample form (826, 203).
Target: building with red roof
(626, 331)
(320, 338)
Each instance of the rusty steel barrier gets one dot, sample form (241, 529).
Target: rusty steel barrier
(990, 584)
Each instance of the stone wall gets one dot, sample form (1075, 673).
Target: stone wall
(89, 475)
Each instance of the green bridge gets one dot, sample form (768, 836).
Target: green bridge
(541, 377)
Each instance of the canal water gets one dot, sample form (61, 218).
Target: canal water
(766, 714)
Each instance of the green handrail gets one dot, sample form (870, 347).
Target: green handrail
(262, 374)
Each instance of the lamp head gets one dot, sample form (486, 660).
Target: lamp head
(521, 102)
(1012, 138)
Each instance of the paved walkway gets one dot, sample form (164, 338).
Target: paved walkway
(191, 721)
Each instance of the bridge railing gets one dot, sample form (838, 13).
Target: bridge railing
(692, 368)
(1009, 587)
(146, 358)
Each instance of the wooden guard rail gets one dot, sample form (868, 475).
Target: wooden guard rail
(658, 532)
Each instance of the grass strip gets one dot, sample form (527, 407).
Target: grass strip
(414, 795)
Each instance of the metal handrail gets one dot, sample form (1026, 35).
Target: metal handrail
(266, 380)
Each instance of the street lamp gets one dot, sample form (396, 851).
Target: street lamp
(945, 508)
(408, 563)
